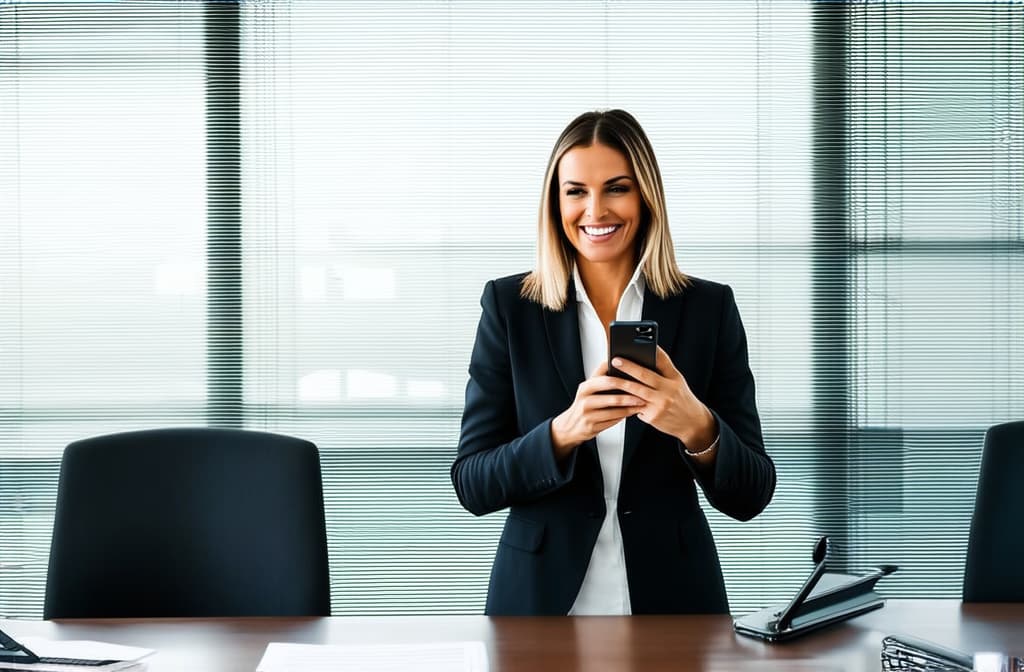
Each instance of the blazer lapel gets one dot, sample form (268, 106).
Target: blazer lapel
(667, 313)
(563, 331)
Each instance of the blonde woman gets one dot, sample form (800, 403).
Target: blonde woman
(600, 474)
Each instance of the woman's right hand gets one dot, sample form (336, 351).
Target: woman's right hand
(593, 411)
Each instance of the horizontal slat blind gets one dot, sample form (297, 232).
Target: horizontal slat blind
(102, 246)
(393, 157)
(936, 174)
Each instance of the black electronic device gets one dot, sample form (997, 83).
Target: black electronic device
(636, 341)
(825, 598)
(13, 652)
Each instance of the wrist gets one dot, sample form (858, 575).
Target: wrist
(706, 452)
(702, 433)
(560, 441)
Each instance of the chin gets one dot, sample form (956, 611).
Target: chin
(602, 256)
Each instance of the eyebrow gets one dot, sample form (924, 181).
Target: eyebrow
(614, 179)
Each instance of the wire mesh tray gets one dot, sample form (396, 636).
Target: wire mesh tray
(917, 655)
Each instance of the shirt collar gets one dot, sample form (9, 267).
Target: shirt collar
(637, 285)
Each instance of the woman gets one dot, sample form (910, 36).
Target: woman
(600, 474)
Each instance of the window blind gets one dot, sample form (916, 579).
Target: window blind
(313, 265)
(936, 285)
(393, 158)
(102, 247)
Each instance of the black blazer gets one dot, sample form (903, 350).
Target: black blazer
(524, 371)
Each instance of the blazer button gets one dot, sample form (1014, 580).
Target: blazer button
(593, 514)
(627, 512)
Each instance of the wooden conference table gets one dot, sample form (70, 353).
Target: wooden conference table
(638, 643)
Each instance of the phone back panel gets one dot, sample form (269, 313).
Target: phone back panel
(635, 341)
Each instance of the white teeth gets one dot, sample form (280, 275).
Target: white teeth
(599, 231)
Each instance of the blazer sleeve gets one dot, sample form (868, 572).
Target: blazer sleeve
(742, 480)
(496, 466)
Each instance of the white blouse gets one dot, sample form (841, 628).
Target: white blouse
(605, 589)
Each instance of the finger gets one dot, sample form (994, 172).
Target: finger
(624, 386)
(613, 413)
(606, 418)
(643, 374)
(617, 400)
(592, 384)
(602, 384)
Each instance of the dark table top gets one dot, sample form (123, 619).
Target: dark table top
(538, 644)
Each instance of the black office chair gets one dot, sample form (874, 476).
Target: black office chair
(189, 522)
(994, 572)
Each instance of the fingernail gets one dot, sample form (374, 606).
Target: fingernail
(616, 362)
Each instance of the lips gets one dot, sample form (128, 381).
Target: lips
(600, 232)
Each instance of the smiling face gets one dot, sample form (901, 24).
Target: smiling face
(600, 205)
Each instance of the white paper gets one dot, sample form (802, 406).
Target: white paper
(127, 656)
(996, 662)
(433, 657)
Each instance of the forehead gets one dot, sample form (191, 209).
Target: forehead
(594, 163)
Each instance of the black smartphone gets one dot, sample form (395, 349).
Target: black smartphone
(636, 341)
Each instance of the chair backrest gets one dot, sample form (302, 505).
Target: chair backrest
(994, 571)
(189, 523)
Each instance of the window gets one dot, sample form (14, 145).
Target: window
(936, 289)
(393, 160)
(102, 247)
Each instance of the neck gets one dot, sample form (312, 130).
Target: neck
(605, 283)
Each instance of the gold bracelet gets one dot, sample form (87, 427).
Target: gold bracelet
(714, 444)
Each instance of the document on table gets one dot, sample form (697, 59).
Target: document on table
(124, 657)
(433, 657)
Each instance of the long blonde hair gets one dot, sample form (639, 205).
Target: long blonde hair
(548, 283)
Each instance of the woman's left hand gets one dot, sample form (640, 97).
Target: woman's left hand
(669, 404)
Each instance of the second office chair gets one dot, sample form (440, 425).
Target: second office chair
(189, 522)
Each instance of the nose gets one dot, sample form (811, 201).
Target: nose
(595, 208)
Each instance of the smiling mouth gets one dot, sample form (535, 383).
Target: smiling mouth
(601, 231)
